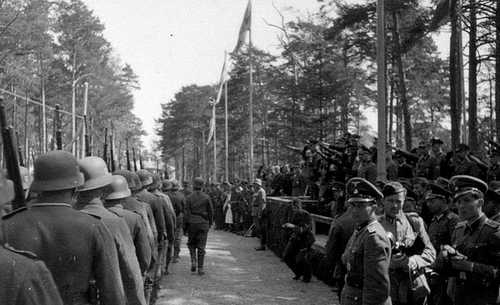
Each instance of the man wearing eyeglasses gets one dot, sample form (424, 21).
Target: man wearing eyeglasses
(473, 257)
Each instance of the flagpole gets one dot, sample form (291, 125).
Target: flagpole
(226, 147)
(381, 91)
(251, 103)
(215, 145)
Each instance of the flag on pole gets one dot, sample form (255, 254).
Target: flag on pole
(245, 27)
(224, 76)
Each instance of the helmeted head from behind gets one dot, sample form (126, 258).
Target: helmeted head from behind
(55, 171)
(119, 188)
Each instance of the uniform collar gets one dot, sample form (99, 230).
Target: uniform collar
(441, 215)
(476, 223)
(52, 204)
(392, 220)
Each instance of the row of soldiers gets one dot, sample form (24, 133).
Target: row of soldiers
(384, 255)
(86, 236)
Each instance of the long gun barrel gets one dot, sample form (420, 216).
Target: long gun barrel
(133, 156)
(105, 148)
(11, 158)
(112, 153)
(129, 166)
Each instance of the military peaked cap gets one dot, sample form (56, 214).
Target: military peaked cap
(392, 188)
(359, 189)
(437, 191)
(463, 185)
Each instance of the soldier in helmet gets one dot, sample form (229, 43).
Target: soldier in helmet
(24, 280)
(90, 195)
(472, 258)
(368, 251)
(137, 227)
(197, 221)
(170, 219)
(74, 246)
(179, 202)
(158, 208)
(132, 204)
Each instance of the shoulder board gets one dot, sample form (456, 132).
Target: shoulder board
(14, 212)
(461, 224)
(22, 252)
(92, 214)
(117, 213)
(372, 227)
(492, 223)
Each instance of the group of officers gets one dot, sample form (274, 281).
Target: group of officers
(385, 255)
(86, 236)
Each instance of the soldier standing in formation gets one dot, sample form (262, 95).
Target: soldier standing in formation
(178, 201)
(197, 221)
(91, 193)
(114, 203)
(24, 280)
(82, 267)
(368, 252)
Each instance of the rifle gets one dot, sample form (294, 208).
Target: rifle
(112, 153)
(57, 121)
(105, 148)
(133, 156)
(129, 166)
(11, 158)
(140, 161)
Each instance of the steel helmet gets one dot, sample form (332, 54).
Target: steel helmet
(167, 185)
(175, 185)
(56, 170)
(156, 181)
(198, 183)
(128, 176)
(145, 177)
(137, 181)
(119, 188)
(96, 173)
(7, 193)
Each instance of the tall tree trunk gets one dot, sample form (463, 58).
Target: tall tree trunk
(455, 87)
(497, 71)
(391, 110)
(344, 116)
(401, 82)
(473, 137)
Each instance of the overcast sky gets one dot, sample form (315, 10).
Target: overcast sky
(173, 43)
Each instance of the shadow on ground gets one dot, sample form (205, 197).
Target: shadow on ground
(238, 275)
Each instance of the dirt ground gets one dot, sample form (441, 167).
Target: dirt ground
(236, 274)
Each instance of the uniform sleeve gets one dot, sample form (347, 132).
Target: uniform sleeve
(142, 246)
(376, 283)
(428, 255)
(106, 268)
(38, 287)
(159, 216)
(169, 220)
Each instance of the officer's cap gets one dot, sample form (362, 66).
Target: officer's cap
(462, 185)
(361, 190)
(392, 188)
(437, 191)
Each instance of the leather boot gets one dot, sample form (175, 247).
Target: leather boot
(192, 252)
(201, 257)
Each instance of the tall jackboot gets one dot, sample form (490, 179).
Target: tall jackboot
(192, 253)
(201, 258)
